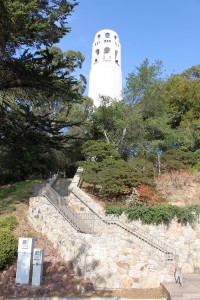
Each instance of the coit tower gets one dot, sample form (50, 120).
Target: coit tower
(105, 73)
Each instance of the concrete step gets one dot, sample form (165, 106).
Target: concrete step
(186, 297)
(61, 186)
(189, 291)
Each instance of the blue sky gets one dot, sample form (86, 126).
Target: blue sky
(168, 30)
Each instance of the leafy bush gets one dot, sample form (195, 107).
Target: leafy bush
(8, 247)
(99, 150)
(8, 222)
(178, 160)
(195, 168)
(115, 210)
(158, 214)
(114, 176)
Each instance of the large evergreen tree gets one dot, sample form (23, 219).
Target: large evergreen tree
(37, 85)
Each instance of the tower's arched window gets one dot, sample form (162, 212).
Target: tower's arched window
(96, 58)
(107, 53)
(99, 36)
(116, 57)
(107, 35)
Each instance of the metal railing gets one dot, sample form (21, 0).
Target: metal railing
(178, 276)
(137, 232)
(82, 222)
(85, 222)
(148, 238)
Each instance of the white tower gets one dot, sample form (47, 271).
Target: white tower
(105, 73)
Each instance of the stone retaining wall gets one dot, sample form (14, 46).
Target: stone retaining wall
(113, 258)
(184, 239)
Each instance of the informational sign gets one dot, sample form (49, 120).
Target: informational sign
(38, 256)
(24, 260)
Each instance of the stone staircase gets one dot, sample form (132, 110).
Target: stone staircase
(81, 222)
(62, 194)
(61, 186)
(88, 222)
(85, 222)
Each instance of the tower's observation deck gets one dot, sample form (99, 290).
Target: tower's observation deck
(105, 73)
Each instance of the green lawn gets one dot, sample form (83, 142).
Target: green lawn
(16, 193)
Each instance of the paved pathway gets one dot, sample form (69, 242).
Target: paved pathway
(189, 291)
(61, 186)
(86, 298)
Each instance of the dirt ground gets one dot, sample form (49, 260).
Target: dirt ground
(179, 188)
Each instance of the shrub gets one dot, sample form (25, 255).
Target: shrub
(178, 160)
(8, 247)
(158, 214)
(116, 176)
(8, 222)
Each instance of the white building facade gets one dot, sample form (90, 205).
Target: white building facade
(105, 74)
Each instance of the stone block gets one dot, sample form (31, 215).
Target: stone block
(123, 265)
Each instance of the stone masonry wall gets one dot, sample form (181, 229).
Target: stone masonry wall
(184, 239)
(112, 257)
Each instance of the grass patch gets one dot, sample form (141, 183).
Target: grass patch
(19, 192)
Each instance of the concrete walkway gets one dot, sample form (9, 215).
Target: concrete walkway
(189, 291)
(84, 298)
(61, 186)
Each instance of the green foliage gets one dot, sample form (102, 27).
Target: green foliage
(158, 214)
(38, 88)
(115, 210)
(195, 209)
(109, 122)
(16, 193)
(8, 222)
(181, 95)
(33, 23)
(178, 160)
(112, 174)
(99, 150)
(8, 247)
(192, 73)
(117, 177)
(142, 81)
(195, 168)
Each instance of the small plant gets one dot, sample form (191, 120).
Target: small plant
(8, 247)
(8, 222)
(115, 210)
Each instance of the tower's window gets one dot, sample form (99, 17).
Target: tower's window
(107, 35)
(115, 37)
(116, 57)
(98, 36)
(107, 53)
(96, 59)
